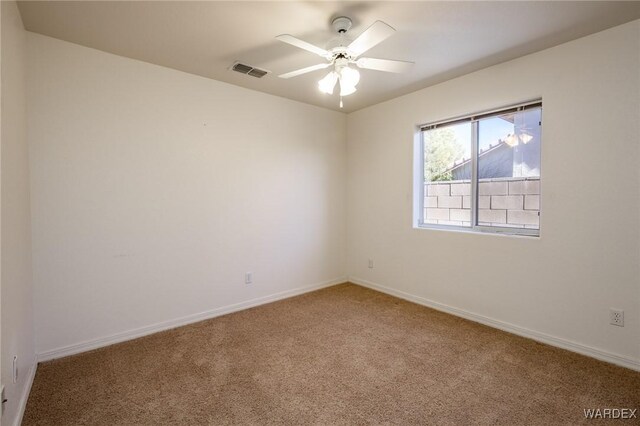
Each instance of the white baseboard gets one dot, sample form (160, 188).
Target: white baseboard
(622, 361)
(189, 319)
(22, 404)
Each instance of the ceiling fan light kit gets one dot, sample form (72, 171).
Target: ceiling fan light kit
(327, 84)
(342, 52)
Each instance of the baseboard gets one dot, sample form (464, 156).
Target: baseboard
(178, 322)
(510, 328)
(22, 404)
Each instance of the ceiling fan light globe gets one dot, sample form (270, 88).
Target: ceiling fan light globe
(327, 84)
(325, 88)
(346, 90)
(349, 76)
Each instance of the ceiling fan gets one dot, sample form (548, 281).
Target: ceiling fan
(341, 52)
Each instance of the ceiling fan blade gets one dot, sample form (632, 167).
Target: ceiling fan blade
(376, 33)
(305, 70)
(287, 38)
(387, 65)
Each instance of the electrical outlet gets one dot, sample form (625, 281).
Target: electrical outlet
(15, 369)
(248, 277)
(370, 263)
(616, 317)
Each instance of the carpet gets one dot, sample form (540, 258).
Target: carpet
(341, 355)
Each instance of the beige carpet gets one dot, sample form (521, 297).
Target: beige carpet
(343, 355)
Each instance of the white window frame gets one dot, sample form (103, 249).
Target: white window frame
(474, 120)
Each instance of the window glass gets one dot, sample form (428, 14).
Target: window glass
(483, 172)
(509, 170)
(447, 172)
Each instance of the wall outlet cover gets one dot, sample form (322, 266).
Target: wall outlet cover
(616, 317)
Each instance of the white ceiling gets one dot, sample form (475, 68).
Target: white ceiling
(445, 39)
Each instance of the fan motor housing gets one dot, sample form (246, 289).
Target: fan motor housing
(338, 45)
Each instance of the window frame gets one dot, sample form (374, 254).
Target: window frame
(474, 119)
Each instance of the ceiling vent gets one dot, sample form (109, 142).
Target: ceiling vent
(249, 70)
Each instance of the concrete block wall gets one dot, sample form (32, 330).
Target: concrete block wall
(504, 202)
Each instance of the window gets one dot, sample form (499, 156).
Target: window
(482, 172)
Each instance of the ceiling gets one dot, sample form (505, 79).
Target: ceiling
(444, 39)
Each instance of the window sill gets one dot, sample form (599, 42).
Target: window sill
(499, 232)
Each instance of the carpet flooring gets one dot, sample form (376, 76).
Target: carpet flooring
(341, 355)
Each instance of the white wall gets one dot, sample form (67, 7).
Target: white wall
(588, 256)
(15, 265)
(153, 191)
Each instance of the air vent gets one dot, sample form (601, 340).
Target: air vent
(257, 73)
(249, 70)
